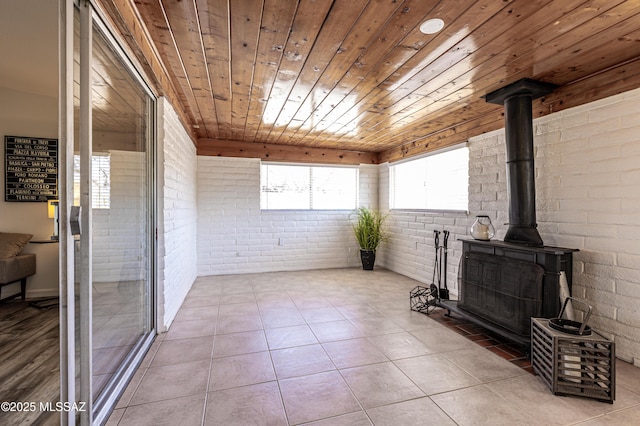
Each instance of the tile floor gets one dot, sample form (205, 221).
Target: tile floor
(341, 347)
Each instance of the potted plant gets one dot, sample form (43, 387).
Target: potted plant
(370, 233)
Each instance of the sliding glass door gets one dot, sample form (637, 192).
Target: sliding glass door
(111, 236)
(121, 222)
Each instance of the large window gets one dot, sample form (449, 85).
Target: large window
(436, 182)
(303, 187)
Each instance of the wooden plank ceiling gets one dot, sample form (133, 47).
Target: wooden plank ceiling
(254, 76)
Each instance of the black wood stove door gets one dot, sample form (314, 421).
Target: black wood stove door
(505, 291)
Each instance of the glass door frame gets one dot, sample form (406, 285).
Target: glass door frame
(73, 344)
(65, 191)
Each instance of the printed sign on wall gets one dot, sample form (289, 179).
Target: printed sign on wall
(31, 169)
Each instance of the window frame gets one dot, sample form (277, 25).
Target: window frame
(311, 189)
(421, 157)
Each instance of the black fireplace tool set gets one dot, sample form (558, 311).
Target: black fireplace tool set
(426, 299)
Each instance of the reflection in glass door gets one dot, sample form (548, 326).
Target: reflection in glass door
(112, 182)
(120, 206)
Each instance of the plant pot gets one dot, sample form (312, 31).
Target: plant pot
(368, 258)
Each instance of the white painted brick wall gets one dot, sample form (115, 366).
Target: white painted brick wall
(587, 197)
(235, 236)
(369, 184)
(177, 221)
(588, 167)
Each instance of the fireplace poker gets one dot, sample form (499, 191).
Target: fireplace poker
(435, 291)
(444, 292)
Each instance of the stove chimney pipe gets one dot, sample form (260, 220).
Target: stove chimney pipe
(517, 100)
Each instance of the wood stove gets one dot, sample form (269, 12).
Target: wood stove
(503, 284)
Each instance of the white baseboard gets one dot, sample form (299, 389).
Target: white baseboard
(38, 293)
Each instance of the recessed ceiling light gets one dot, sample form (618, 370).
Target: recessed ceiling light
(432, 26)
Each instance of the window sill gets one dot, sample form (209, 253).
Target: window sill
(305, 210)
(433, 211)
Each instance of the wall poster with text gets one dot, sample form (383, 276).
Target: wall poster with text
(31, 169)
